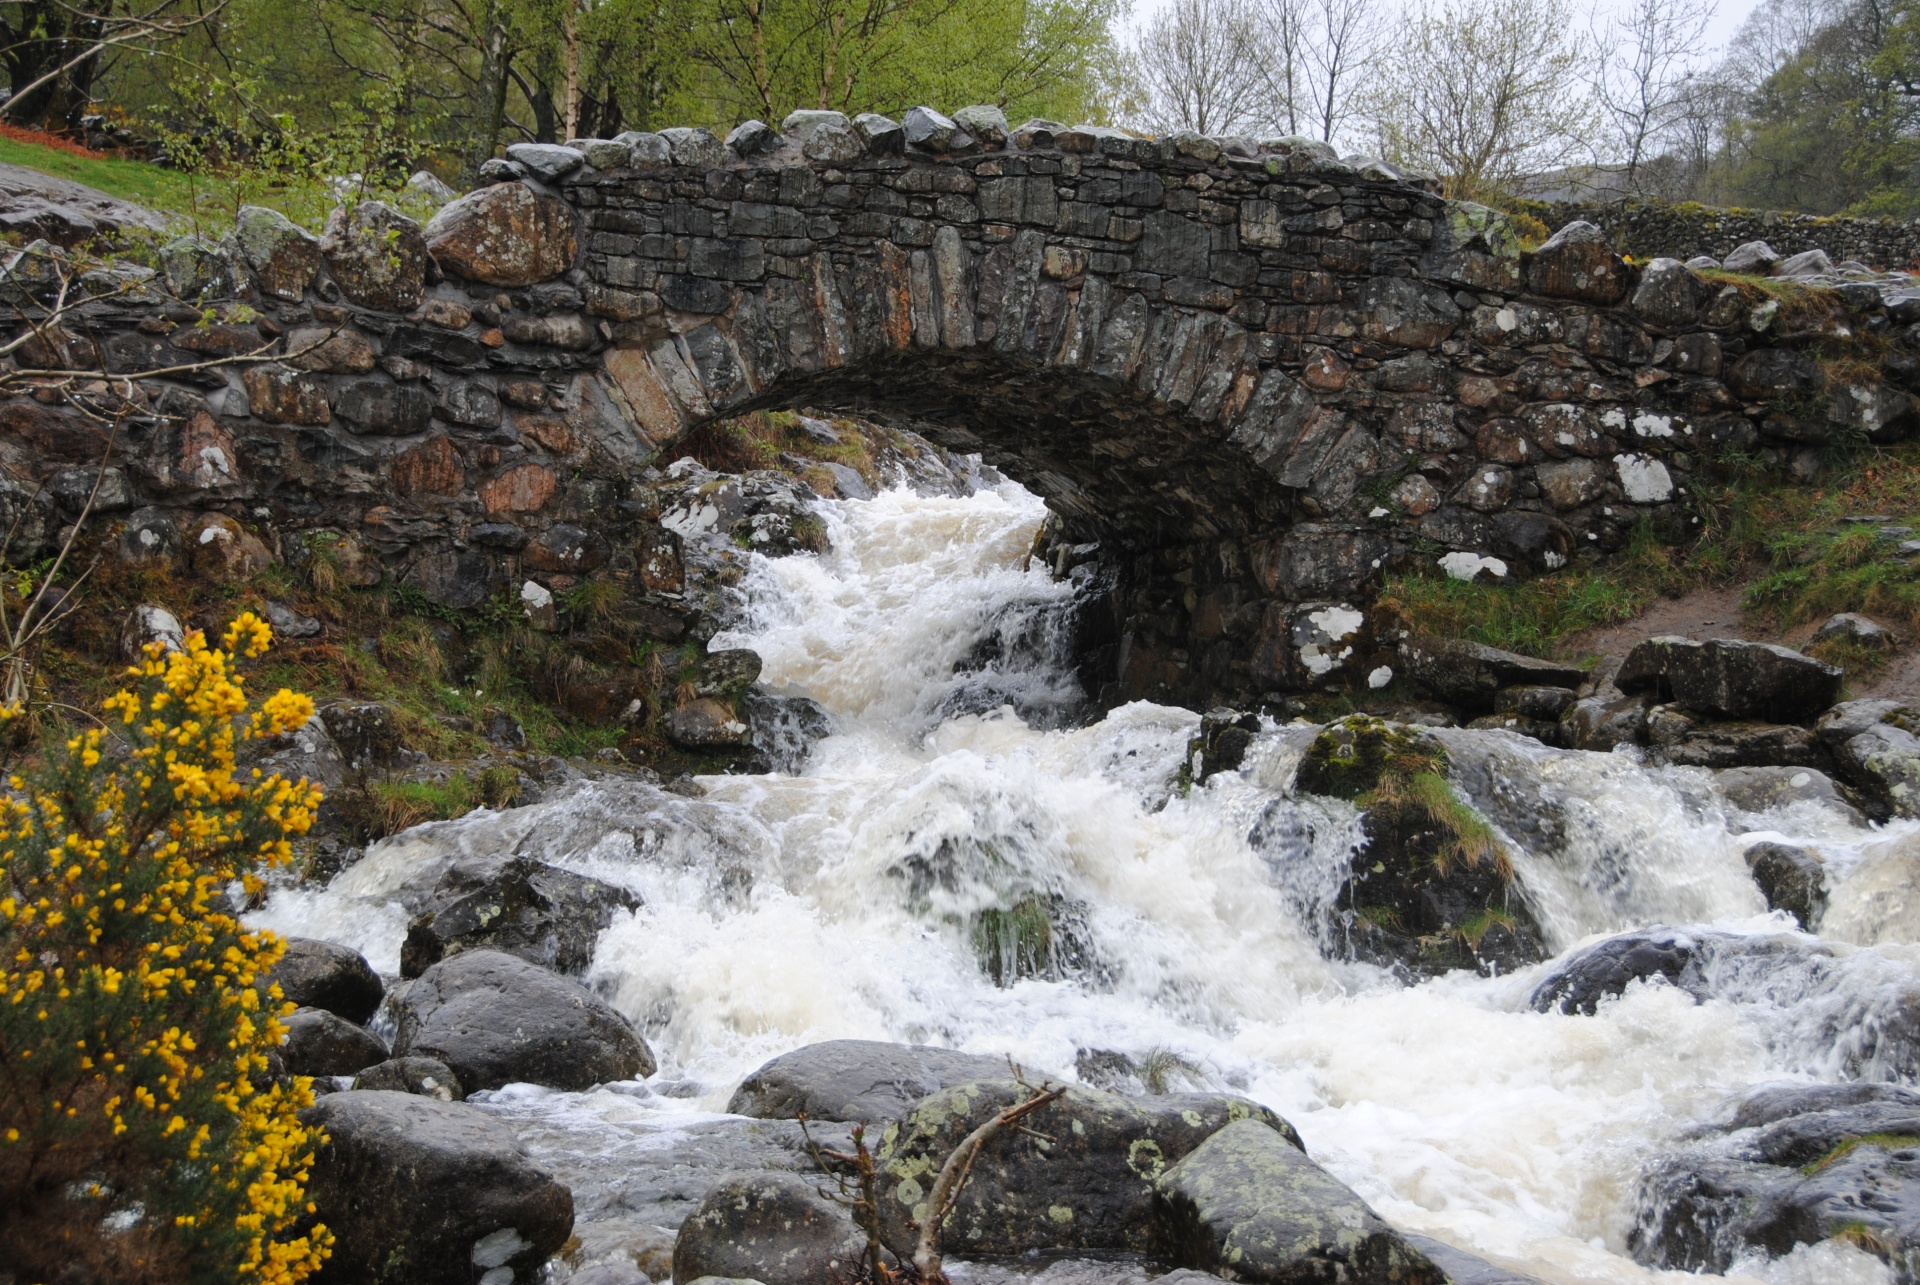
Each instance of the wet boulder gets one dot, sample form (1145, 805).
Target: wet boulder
(769, 1227)
(1740, 744)
(1462, 1268)
(1601, 722)
(496, 1019)
(1432, 890)
(783, 729)
(1248, 1203)
(856, 1080)
(1874, 746)
(433, 1193)
(1737, 967)
(707, 723)
(1792, 878)
(426, 1076)
(1471, 675)
(1762, 789)
(1793, 1165)
(541, 913)
(1087, 1183)
(318, 1043)
(319, 974)
(1731, 679)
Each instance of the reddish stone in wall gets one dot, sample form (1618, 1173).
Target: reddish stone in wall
(504, 235)
(523, 489)
(431, 468)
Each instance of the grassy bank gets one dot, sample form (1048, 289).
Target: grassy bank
(1798, 551)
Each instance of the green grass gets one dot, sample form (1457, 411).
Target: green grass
(143, 184)
(1885, 1141)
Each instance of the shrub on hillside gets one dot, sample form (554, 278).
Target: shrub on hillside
(142, 1136)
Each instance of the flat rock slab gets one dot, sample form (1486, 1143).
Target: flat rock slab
(855, 1080)
(1249, 1205)
(1471, 674)
(1728, 678)
(65, 212)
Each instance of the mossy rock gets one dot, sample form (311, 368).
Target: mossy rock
(1432, 890)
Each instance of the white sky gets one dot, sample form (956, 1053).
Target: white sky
(1726, 19)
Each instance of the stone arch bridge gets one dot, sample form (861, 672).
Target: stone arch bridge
(1248, 378)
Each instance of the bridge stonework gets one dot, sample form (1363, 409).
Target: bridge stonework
(1249, 379)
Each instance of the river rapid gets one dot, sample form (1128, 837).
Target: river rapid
(785, 909)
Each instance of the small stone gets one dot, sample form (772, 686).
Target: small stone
(549, 162)
(883, 135)
(1578, 262)
(1857, 629)
(336, 350)
(150, 624)
(428, 1077)
(1754, 258)
(695, 148)
(646, 148)
(282, 396)
(985, 122)
(928, 130)
(288, 623)
(707, 724)
(321, 1043)
(197, 268)
(606, 153)
(224, 551)
(428, 187)
(1792, 879)
(149, 536)
(1808, 263)
(384, 408)
(751, 138)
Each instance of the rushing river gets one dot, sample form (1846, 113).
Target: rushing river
(786, 909)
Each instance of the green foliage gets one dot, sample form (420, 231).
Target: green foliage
(1015, 943)
(393, 806)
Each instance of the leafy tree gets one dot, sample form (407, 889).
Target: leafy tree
(144, 1137)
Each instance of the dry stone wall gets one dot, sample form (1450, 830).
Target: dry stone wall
(1684, 230)
(1249, 378)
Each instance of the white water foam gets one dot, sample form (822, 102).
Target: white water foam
(782, 910)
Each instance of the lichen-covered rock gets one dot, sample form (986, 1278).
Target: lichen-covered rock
(504, 235)
(197, 268)
(1248, 1205)
(432, 1193)
(541, 913)
(284, 256)
(376, 255)
(549, 162)
(1090, 1187)
(320, 974)
(496, 1019)
(856, 1080)
(224, 551)
(707, 723)
(1432, 889)
(1669, 294)
(769, 1227)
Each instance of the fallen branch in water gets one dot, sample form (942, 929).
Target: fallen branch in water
(953, 1176)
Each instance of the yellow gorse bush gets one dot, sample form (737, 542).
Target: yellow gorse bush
(141, 1132)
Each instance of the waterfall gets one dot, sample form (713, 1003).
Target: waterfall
(967, 860)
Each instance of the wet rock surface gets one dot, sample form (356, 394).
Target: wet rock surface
(540, 913)
(768, 1226)
(1793, 1165)
(319, 1043)
(855, 1080)
(495, 1019)
(434, 1190)
(1248, 1202)
(319, 974)
(1729, 679)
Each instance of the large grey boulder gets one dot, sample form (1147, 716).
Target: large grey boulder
(1792, 878)
(376, 255)
(1730, 678)
(1754, 258)
(1090, 1187)
(430, 1193)
(856, 1080)
(549, 162)
(1578, 262)
(1669, 294)
(1249, 1205)
(541, 913)
(769, 1226)
(319, 974)
(496, 1019)
(318, 1043)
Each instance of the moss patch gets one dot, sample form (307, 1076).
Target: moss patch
(1884, 1141)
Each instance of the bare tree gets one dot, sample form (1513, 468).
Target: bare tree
(1646, 56)
(1197, 59)
(1484, 92)
(1344, 43)
(1278, 50)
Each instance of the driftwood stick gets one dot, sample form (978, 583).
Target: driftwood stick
(953, 1176)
